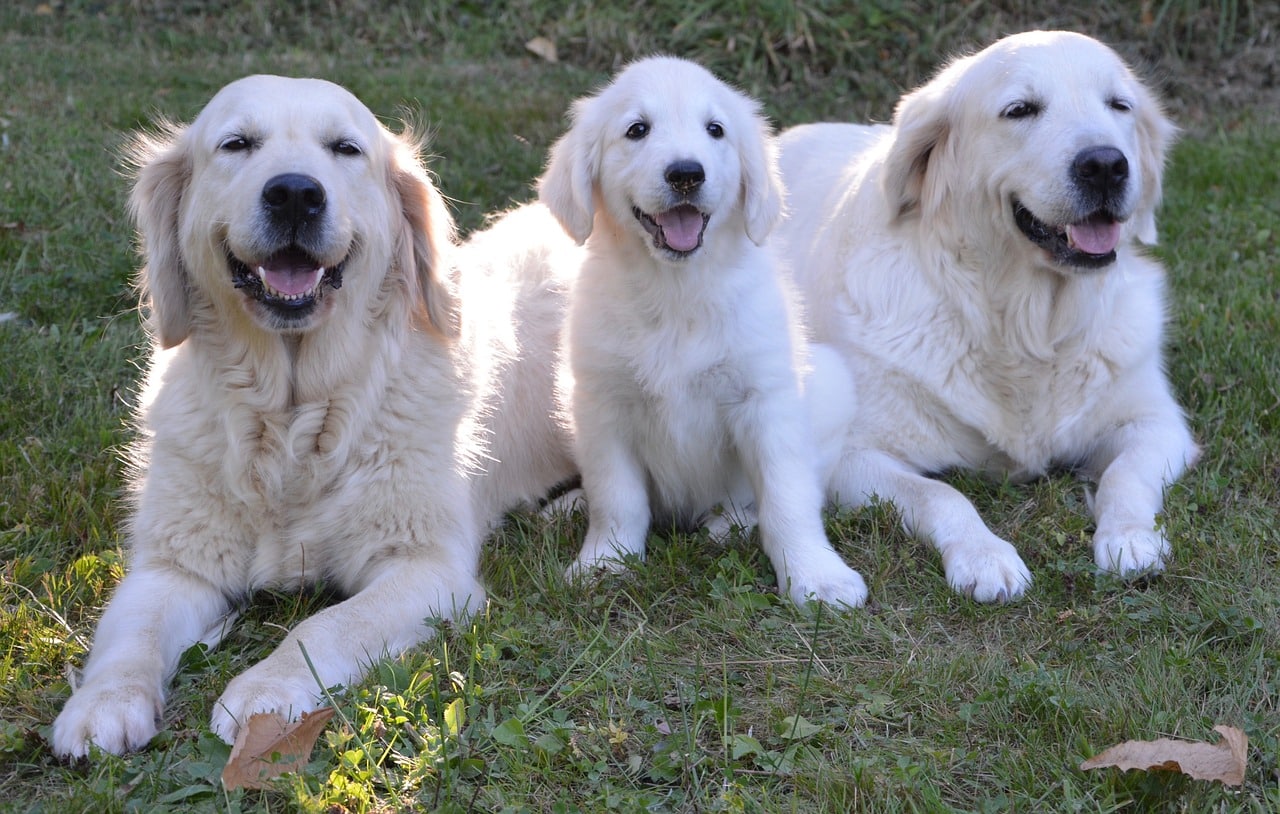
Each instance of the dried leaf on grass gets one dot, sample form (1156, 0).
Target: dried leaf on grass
(269, 746)
(1223, 761)
(543, 47)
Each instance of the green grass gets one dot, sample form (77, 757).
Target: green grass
(685, 685)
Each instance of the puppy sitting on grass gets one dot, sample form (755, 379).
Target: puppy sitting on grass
(695, 398)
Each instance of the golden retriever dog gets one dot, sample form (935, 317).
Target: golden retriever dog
(979, 265)
(694, 394)
(328, 400)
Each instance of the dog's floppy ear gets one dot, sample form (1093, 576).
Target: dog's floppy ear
(922, 125)
(428, 237)
(161, 168)
(567, 186)
(1156, 134)
(762, 189)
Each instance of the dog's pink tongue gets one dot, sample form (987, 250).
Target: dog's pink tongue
(290, 273)
(1094, 236)
(681, 227)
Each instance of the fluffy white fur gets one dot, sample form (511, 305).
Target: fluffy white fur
(972, 345)
(294, 431)
(688, 363)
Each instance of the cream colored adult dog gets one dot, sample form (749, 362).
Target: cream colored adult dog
(686, 354)
(978, 263)
(328, 400)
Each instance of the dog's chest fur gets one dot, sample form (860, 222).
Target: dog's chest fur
(675, 363)
(1007, 385)
(291, 493)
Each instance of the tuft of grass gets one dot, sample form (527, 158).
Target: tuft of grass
(686, 684)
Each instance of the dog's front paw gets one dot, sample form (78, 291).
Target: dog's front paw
(827, 579)
(1130, 552)
(986, 571)
(263, 689)
(602, 554)
(586, 568)
(116, 718)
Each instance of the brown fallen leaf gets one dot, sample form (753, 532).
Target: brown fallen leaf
(1223, 761)
(543, 47)
(269, 746)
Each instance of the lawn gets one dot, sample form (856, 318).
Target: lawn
(686, 685)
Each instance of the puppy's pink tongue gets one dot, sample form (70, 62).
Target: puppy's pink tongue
(681, 227)
(290, 273)
(1094, 236)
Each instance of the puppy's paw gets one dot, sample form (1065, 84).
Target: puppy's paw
(722, 524)
(586, 568)
(263, 689)
(986, 571)
(574, 500)
(117, 718)
(1131, 551)
(827, 579)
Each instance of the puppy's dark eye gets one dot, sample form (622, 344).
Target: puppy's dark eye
(345, 147)
(1020, 110)
(236, 144)
(715, 130)
(1119, 104)
(638, 130)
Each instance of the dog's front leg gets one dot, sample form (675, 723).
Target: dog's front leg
(385, 618)
(1137, 461)
(772, 437)
(618, 512)
(157, 612)
(978, 564)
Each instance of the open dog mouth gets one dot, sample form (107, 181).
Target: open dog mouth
(290, 281)
(1089, 243)
(678, 230)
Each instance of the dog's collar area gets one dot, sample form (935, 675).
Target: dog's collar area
(678, 230)
(1087, 244)
(290, 282)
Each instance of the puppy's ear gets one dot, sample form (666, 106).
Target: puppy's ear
(1156, 134)
(567, 186)
(912, 177)
(161, 168)
(762, 189)
(427, 239)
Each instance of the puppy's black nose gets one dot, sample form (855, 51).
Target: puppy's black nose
(685, 176)
(1101, 169)
(293, 198)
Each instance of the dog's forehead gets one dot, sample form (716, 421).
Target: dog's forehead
(1052, 57)
(668, 86)
(266, 104)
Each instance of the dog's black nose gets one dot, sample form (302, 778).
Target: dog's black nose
(293, 198)
(685, 176)
(1102, 169)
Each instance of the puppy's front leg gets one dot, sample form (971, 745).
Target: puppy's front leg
(773, 443)
(618, 512)
(157, 612)
(1137, 462)
(385, 618)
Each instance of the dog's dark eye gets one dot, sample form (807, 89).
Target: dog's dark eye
(236, 144)
(715, 130)
(1122, 105)
(1020, 110)
(346, 147)
(638, 130)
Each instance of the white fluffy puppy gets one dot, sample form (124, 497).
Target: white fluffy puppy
(978, 264)
(328, 399)
(687, 359)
